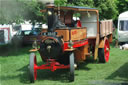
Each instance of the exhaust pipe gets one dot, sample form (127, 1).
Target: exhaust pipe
(50, 13)
(50, 17)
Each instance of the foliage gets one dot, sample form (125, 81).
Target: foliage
(107, 8)
(14, 70)
(20, 10)
(60, 2)
(122, 5)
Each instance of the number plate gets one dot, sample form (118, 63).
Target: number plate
(49, 33)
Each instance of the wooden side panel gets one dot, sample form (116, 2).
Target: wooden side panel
(102, 28)
(106, 27)
(61, 32)
(111, 26)
(64, 33)
(78, 34)
(80, 54)
(96, 47)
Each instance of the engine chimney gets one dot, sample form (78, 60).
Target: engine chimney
(50, 13)
(50, 16)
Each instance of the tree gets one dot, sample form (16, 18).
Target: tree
(122, 5)
(107, 8)
(19, 10)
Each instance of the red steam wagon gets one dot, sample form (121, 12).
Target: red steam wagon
(69, 40)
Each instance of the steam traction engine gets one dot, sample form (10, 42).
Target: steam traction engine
(67, 40)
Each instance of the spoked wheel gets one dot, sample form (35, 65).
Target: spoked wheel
(71, 62)
(103, 53)
(32, 64)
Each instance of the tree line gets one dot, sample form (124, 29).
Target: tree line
(20, 10)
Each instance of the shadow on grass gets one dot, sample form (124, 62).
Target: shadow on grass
(11, 50)
(61, 75)
(22, 76)
(84, 65)
(121, 74)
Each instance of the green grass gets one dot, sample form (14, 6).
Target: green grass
(14, 70)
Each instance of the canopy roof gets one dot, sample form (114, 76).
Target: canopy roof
(75, 8)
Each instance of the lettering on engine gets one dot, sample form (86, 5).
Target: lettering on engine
(74, 32)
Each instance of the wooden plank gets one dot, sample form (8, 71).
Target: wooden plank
(81, 53)
(75, 9)
(96, 47)
(69, 8)
(110, 38)
(91, 37)
(101, 43)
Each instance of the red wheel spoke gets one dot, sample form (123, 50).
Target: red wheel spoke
(35, 74)
(106, 50)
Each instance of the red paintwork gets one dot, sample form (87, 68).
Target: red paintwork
(35, 71)
(74, 32)
(75, 44)
(51, 65)
(79, 23)
(106, 52)
(7, 28)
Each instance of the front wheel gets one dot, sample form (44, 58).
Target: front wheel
(71, 62)
(104, 53)
(32, 63)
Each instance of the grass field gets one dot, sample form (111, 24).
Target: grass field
(14, 70)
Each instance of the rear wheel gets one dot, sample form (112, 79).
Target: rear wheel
(71, 62)
(103, 53)
(32, 64)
